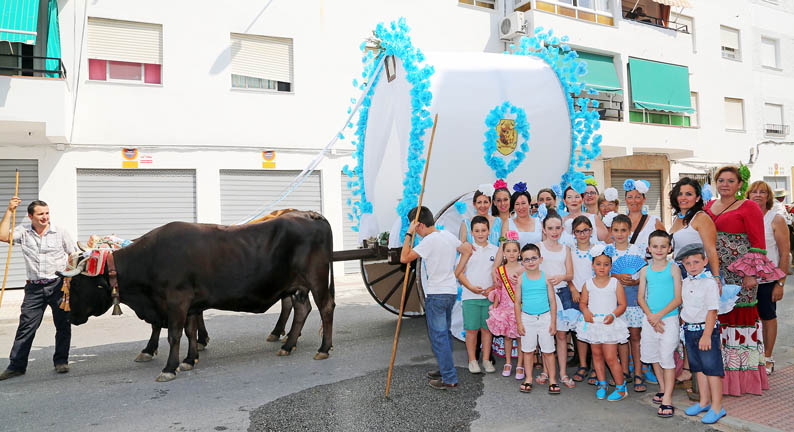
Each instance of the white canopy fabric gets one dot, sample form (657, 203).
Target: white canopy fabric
(465, 88)
(675, 3)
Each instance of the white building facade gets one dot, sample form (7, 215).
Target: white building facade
(158, 111)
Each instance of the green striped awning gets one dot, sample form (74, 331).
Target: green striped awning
(18, 20)
(601, 74)
(660, 86)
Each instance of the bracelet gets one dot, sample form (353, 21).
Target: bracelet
(613, 316)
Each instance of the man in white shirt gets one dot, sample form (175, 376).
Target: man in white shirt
(438, 250)
(46, 249)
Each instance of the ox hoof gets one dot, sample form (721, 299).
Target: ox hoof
(201, 347)
(144, 357)
(165, 377)
(272, 338)
(321, 356)
(185, 367)
(282, 352)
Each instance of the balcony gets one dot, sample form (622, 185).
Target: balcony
(33, 100)
(642, 138)
(642, 18)
(776, 130)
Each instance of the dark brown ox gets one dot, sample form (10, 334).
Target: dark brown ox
(173, 273)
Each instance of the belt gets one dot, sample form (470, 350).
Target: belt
(41, 281)
(697, 326)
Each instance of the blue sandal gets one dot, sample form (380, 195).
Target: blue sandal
(601, 393)
(616, 395)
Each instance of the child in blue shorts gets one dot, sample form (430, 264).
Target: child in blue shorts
(701, 300)
(474, 273)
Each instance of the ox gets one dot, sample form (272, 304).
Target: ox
(173, 273)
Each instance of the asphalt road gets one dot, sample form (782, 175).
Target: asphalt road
(240, 383)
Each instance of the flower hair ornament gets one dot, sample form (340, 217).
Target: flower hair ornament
(557, 190)
(590, 181)
(641, 186)
(609, 218)
(487, 189)
(499, 184)
(601, 249)
(512, 237)
(579, 186)
(460, 207)
(611, 194)
(520, 187)
(542, 211)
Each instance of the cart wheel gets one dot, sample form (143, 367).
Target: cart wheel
(384, 281)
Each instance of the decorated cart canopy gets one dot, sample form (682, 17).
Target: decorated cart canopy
(508, 116)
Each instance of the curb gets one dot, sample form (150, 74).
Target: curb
(738, 423)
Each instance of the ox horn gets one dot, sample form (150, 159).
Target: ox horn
(79, 268)
(83, 247)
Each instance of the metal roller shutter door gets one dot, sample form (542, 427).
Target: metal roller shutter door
(244, 191)
(130, 203)
(28, 191)
(349, 237)
(653, 199)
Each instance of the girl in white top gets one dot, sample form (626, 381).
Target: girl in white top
(558, 268)
(602, 303)
(582, 272)
(573, 203)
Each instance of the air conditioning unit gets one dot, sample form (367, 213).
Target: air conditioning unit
(512, 26)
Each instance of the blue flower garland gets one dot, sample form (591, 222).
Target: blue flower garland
(497, 164)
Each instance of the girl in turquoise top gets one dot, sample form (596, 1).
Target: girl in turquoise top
(659, 296)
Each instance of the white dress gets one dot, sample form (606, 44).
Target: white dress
(554, 264)
(601, 302)
(582, 267)
(526, 237)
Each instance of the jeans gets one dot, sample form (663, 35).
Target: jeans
(37, 297)
(438, 311)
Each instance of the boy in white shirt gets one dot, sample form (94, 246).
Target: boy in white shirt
(438, 250)
(701, 301)
(474, 273)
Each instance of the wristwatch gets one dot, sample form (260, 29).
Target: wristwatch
(781, 283)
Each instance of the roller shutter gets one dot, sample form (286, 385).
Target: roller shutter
(262, 57)
(28, 191)
(350, 237)
(653, 199)
(245, 191)
(130, 203)
(125, 41)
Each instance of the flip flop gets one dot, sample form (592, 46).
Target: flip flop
(657, 398)
(525, 387)
(579, 376)
(554, 389)
(665, 408)
(567, 381)
(641, 387)
(592, 379)
(542, 378)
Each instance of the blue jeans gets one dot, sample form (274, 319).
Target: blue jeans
(438, 311)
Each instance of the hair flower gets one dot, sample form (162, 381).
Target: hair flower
(706, 193)
(579, 186)
(460, 207)
(486, 189)
(500, 184)
(520, 187)
(557, 190)
(542, 211)
(590, 181)
(628, 185)
(609, 218)
(512, 235)
(597, 250)
(610, 251)
(642, 186)
(611, 194)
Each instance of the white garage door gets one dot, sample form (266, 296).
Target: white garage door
(349, 237)
(653, 199)
(28, 191)
(130, 203)
(245, 191)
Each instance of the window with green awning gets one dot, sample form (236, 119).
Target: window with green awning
(601, 74)
(18, 20)
(660, 86)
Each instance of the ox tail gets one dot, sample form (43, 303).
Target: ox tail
(331, 289)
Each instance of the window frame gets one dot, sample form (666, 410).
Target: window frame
(739, 50)
(141, 81)
(478, 4)
(744, 120)
(776, 44)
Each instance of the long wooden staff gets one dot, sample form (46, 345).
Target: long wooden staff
(408, 268)
(10, 240)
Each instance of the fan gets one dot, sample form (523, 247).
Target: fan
(628, 264)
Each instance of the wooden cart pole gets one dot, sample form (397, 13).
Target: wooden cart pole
(11, 240)
(407, 270)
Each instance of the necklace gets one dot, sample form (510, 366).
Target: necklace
(586, 253)
(680, 215)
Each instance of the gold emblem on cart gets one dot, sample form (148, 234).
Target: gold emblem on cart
(508, 137)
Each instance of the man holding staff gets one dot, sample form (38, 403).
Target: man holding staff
(46, 249)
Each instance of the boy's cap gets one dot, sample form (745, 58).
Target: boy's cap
(690, 249)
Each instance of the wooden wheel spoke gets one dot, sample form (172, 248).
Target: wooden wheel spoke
(393, 290)
(384, 276)
(409, 289)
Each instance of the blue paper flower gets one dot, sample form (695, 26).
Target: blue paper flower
(628, 185)
(460, 207)
(542, 211)
(609, 250)
(557, 190)
(520, 187)
(706, 193)
(579, 186)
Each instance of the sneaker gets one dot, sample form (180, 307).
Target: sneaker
(712, 417)
(9, 373)
(650, 376)
(435, 374)
(440, 385)
(62, 368)
(474, 367)
(697, 409)
(488, 366)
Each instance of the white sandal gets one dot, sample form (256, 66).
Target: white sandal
(769, 369)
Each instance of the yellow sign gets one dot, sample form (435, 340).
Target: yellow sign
(269, 157)
(508, 137)
(130, 156)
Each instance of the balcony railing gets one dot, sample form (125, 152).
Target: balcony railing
(654, 21)
(21, 65)
(776, 129)
(610, 105)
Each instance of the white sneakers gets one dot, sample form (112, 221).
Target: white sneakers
(474, 367)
